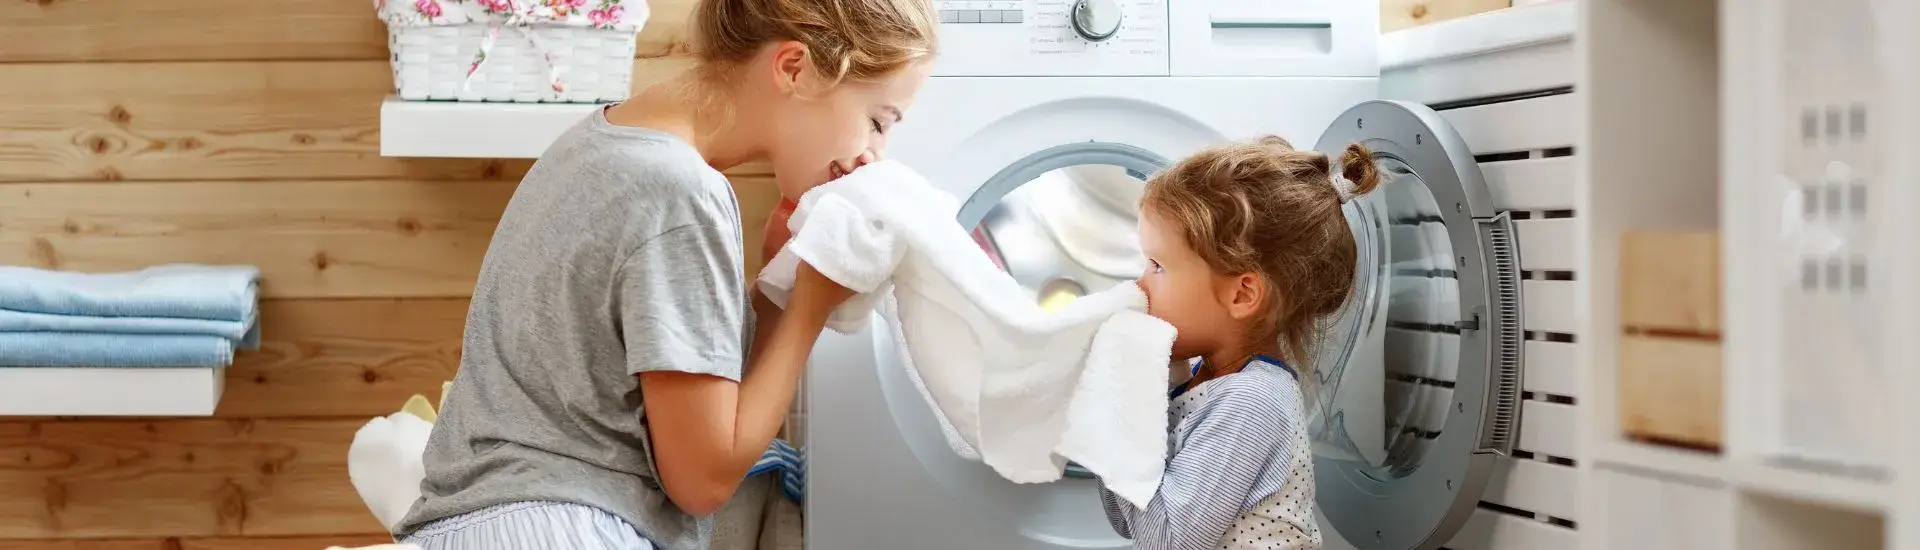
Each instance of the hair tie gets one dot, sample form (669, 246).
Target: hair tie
(1343, 186)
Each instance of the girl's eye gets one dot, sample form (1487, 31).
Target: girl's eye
(1155, 264)
(876, 126)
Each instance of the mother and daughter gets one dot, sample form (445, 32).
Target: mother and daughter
(620, 375)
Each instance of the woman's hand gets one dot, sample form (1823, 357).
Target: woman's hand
(814, 295)
(775, 235)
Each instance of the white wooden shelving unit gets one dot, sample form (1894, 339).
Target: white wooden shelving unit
(1694, 118)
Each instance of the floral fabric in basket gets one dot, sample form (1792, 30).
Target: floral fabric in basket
(625, 15)
(521, 16)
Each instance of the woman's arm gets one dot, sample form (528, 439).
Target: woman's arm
(708, 431)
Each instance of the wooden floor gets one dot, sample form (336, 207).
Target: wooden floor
(135, 132)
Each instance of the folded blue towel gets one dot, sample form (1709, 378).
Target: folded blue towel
(26, 321)
(790, 463)
(119, 350)
(188, 291)
(65, 349)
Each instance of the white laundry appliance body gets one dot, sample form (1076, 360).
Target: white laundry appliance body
(1044, 116)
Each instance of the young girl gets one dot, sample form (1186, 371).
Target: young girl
(1247, 253)
(601, 400)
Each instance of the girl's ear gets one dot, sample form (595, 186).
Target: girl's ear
(789, 66)
(1244, 296)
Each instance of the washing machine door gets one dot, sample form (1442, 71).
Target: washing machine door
(1415, 389)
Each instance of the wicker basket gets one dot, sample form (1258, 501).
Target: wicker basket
(561, 51)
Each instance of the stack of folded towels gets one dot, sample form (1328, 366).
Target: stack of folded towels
(176, 315)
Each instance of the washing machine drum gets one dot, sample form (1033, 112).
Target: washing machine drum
(1413, 389)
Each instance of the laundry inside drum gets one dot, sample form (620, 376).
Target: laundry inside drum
(1383, 375)
(1067, 233)
(1058, 293)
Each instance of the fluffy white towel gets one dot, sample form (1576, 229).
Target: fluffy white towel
(1024, 388)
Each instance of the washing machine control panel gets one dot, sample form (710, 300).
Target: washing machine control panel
(1053, 38)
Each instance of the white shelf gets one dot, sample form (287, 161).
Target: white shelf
(134, 391)
(1800, 485)
(1697, 466)
(1780, 482)
(473, 129)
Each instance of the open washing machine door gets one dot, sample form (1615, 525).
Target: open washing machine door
(1416, 388)
(1412, 396)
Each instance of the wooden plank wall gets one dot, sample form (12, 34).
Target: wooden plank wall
(135, 132)
(1401, 14)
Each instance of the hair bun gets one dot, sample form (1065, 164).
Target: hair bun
(1357, 166)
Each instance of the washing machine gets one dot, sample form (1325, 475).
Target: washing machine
(1045, 117)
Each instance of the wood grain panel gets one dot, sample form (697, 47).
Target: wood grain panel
(206, 121)
(219, 543)
(310, 239)
(178, 478)
(1401, 14)
(225, 30)
(344, 239)
(667, 32)
(349, 358)
(71, 30)
(221, 121)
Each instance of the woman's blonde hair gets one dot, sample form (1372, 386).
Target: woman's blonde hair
(847, 40)
(1264, 207)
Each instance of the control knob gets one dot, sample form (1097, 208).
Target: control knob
(1096, 20)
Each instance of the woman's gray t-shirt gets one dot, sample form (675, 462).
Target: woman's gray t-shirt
(620, 253)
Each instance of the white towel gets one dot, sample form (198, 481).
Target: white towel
(1019, 388)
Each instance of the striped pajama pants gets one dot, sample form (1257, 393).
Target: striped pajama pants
(530, 526)
(568, 526)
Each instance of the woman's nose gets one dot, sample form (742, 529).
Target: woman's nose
(842, 168)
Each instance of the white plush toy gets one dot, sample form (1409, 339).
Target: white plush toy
(384, 461)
